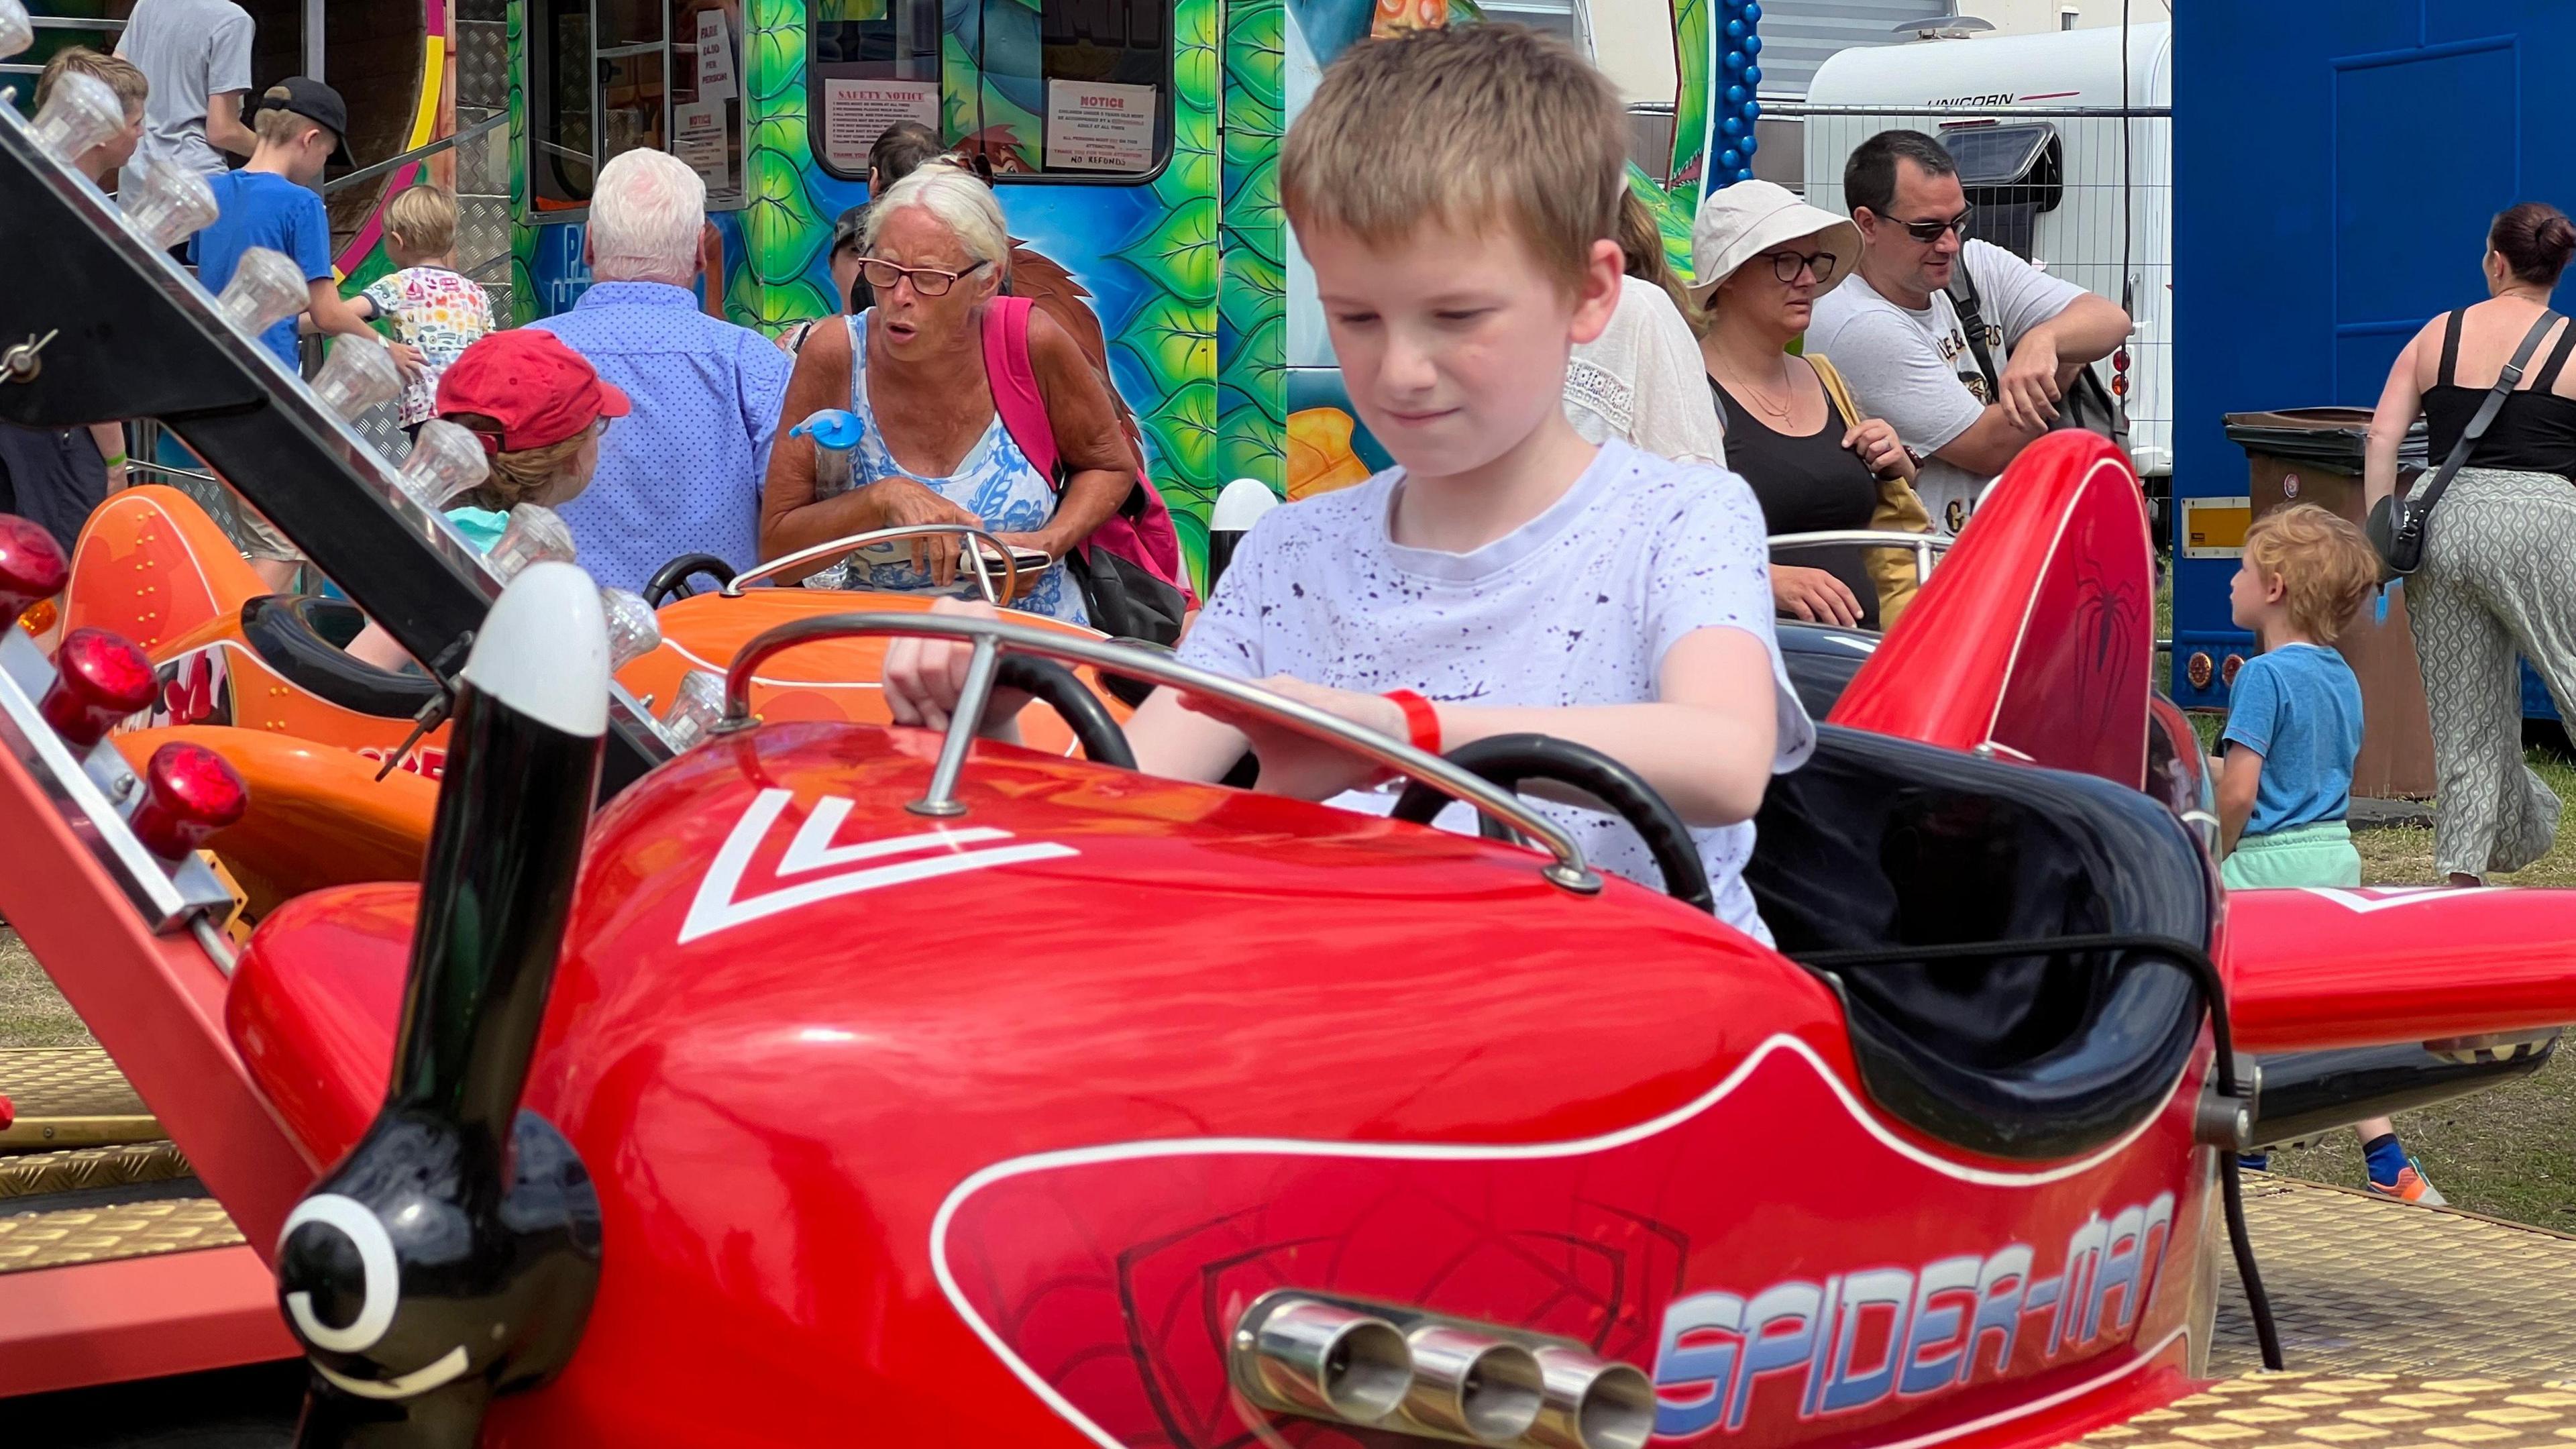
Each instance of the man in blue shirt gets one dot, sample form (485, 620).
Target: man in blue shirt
(682, 473)
(271, 203)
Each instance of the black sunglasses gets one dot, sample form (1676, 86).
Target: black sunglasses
(1928, 232)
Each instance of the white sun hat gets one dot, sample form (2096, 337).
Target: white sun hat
(1751, 217)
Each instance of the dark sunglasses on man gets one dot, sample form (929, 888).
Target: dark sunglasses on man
(1928, 232)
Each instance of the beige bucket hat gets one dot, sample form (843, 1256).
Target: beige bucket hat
(1751, 217)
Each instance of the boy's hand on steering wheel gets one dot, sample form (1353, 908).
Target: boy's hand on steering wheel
(924, 677)
(1295, 764)
(905, 504)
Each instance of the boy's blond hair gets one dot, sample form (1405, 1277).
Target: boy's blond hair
(120, 74)
(421, 221)
(520, 477)
(1463, 126)
(276, 125)
(2327, 569)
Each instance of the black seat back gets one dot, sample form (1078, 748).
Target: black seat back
(303, 640)
(1879, 843)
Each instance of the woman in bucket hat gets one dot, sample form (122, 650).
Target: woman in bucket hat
(1760, 257)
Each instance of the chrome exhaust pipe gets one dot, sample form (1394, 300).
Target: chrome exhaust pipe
(1470, 1386)
(1304, 1356)
(1591, 1403)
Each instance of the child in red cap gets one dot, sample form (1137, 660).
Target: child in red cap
(539, 409)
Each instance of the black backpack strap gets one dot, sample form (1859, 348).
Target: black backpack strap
(2422, 501)
(1972, 320)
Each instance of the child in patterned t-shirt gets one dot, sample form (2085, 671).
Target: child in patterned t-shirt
(430, 305)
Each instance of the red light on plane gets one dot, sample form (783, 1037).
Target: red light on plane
(189, 793)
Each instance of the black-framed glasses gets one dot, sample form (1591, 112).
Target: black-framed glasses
(926, 281)
(1785, 266)
(1928, 232)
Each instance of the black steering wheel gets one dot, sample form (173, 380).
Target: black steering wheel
(671, 580)
(1513, 760)
(1059, 689)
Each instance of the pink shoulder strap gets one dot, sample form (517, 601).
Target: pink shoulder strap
(1014, 381)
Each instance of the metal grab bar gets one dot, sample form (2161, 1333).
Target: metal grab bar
(851, 542)
(1926, 547)
(990, 637)
(371, 172)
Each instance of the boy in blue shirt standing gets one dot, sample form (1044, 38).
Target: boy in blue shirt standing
(271, 203)
(2293, 732)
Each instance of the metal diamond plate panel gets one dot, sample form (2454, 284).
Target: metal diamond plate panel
(27, 1174)
(2381, 1411)
(482, 65)
(482, 164)
(2366, 1286)
(66, 1082)
(93, 1235)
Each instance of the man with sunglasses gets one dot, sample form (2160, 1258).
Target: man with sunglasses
(1893, 326)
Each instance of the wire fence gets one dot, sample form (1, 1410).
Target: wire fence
(2086, 193)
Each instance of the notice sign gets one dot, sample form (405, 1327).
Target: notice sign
(698, 139)
(1092, 127)
(856, 112)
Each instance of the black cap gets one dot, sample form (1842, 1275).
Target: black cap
(845, 231)
(314, 101)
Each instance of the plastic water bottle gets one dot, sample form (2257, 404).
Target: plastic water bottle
(835, 431)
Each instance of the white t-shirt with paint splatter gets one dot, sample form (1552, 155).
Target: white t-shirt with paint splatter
(1575, 607)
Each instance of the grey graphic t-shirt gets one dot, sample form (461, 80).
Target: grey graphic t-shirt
(1915, 369)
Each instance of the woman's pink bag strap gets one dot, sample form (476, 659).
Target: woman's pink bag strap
(1144, 535)
(1014, 380)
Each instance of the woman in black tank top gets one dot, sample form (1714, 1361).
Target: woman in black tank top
(2498, 580)
(1762, 258)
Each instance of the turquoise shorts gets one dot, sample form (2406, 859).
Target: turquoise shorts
(2303, 855)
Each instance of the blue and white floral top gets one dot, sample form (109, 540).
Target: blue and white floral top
(995, 481)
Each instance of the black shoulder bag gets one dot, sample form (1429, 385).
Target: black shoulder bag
(2087, 406)
(2397, 522)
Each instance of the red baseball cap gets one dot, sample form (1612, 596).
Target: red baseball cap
(541, 391)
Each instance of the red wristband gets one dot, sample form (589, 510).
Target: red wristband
(1421, 720)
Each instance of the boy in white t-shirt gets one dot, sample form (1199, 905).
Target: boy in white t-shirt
(1517, 576)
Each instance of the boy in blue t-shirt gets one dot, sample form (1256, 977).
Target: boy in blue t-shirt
(2293, 732)
(270, 202)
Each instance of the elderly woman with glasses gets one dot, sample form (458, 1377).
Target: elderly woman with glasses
(1761, 257)
(935, 449)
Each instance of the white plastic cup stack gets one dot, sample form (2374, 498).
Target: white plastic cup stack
(633, 632)
(165, 201)
(695, 709)
(17, 32)
(82, 112)
(266, 289)
(360, 374)
(445, 460)
(536, 534)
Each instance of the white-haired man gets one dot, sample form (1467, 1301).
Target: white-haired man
(682, 473)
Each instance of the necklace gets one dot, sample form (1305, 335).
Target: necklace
(1781, 410)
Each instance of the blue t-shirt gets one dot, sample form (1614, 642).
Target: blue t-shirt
(2298, 707)
(264, 209)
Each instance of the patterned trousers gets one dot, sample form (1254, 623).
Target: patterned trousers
(2498, 580)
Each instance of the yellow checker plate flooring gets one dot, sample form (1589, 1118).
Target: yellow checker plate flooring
(129, 1230)
(69, 1097)
(2363, 1285)
(25, 1174)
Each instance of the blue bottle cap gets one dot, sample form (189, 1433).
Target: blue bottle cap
(835, 428)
